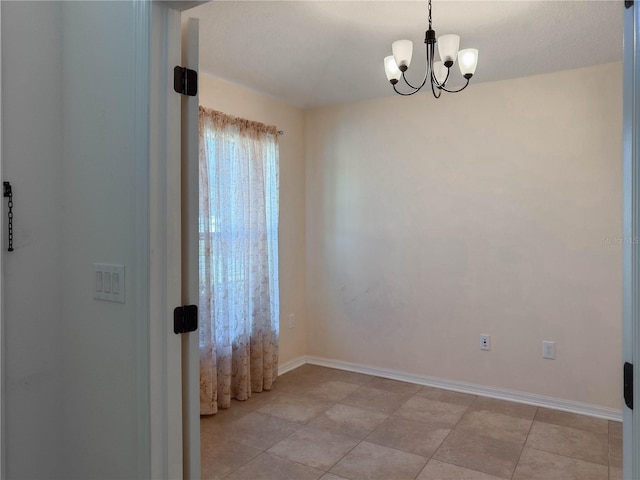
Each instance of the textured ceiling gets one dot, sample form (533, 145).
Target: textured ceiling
(316, 53)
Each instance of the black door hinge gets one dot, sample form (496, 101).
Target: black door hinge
(185, 81)
(8, 193)
(628, 3)
(628, 385)
(185, 319)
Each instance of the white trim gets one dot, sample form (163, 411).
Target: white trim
(631, 230)
(492, 392)
(142, 21)
(190, 256)
(2, 363)
(292, 364)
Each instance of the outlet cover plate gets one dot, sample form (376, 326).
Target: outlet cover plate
(485, 341)
(549, 350)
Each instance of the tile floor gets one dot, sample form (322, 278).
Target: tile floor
(320, 423)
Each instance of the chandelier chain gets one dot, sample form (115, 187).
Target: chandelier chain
(429, 14)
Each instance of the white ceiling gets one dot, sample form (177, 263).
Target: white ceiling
(315, 53)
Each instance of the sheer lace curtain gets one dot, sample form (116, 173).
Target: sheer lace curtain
(239, 298)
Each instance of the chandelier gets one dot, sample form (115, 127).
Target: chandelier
(437, 73)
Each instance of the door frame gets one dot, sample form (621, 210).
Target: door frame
(631, 233)
(172, 456)
(165, 428)
(2, 245)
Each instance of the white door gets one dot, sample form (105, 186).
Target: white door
(631, 233)
(174, 369)
(190, 263)
(2, 461)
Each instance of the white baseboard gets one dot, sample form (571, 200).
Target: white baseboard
(291, 364)
(499, 393)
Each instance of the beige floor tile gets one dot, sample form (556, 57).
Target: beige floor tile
(423, 409)
(314, 447)
(402, 424)
(332, 391)
(298, 379)
(209, 442)
(236, 411)
(254, 403)
(295, 384)
(570, 442)
(296, 408)
(446, 396)
(331, 476)
(495, 425)
(225, 458)
(288, 386)
(615, 452)
(615, 429)
(502, 406)
(383, 401)
(270, 467)
(347, 420)
(309, 370)
(395, 386)
(374, 462)
(537, 465)
(348, 377)
(409, 436)
(480, 453)
(436, 470)
(572, 420)
(210, 423)
(615, 473)
(260, 430)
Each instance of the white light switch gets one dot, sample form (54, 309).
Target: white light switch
(115, 283)
(109, 283)
(106, 282)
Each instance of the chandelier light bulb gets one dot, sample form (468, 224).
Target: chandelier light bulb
(440, 72)
(468, 61)
(448, 46)
(391, 69)
(402, 52)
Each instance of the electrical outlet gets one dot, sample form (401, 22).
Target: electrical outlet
(549, 350)
(485, 342)
(292, 320)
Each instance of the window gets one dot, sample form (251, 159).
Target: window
(239, 295)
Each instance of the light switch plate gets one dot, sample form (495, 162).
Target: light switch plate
(109, 282)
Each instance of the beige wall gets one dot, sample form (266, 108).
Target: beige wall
(241, 102)
(431, 222)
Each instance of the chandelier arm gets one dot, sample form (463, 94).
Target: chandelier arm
(434, 80)
(424, 80)
(459, 90)
(426, 75)
(405, 94)
(434, 89)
